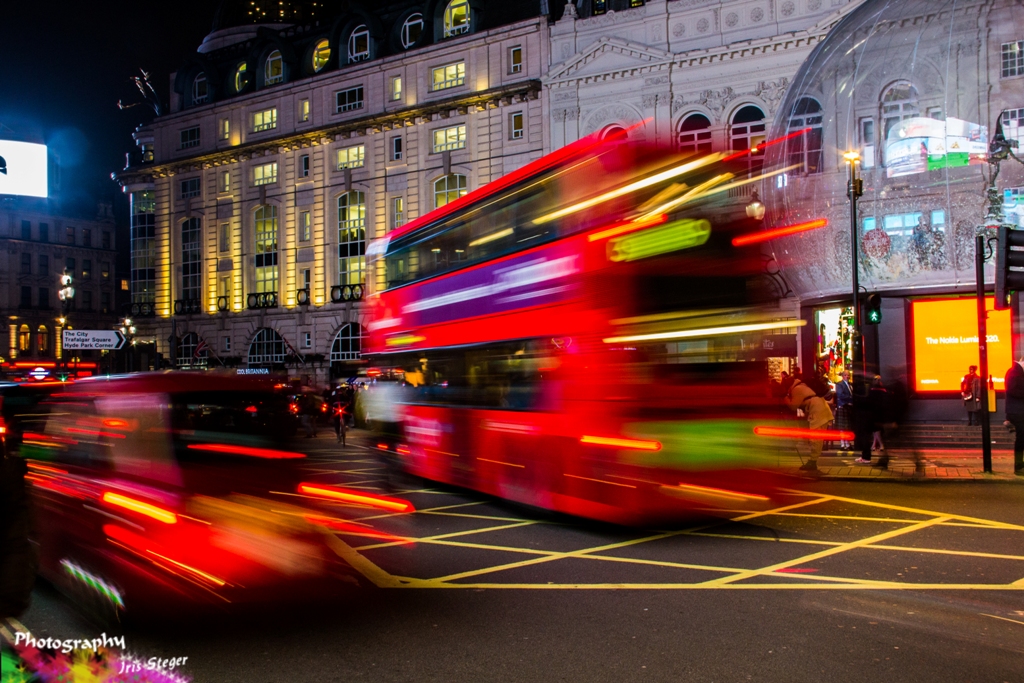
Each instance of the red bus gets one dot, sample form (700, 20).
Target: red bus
(584, 336)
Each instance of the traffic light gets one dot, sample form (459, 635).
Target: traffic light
(873, 309)
(1009, 265)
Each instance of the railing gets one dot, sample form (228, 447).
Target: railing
(302, 296)
(262, 300)
(143, 310)
(343, 293)
(188, 306)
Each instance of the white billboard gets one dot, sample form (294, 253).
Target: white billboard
(23, 169)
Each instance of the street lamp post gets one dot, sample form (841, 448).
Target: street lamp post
(66, 294)
(128, 330)
(854, 189)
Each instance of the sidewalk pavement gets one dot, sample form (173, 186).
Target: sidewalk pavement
(917, 465)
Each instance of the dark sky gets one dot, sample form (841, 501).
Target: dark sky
(64, 65)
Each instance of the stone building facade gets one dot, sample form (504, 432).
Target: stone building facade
(289, 146)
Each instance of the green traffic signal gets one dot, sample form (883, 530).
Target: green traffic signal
(873, 309)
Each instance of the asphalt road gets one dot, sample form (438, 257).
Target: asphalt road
(842, 581)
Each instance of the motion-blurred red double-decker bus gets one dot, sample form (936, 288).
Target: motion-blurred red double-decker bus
(583, 335)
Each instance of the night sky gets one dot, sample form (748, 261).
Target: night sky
(63, 67)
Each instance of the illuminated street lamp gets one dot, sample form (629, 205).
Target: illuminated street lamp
(854, 189)
(128, 331)
(755, 209)
(66, 294)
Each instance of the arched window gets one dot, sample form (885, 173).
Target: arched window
(192, 352)
(899, 102)
(412, 29)
(695, 134)
(456, 18)
(448, 188)
(265, 231)
(24, 339)
(359, 44)
(321, 55)
(351, 238)
(200, 90)
(241, 77)
(273, 70)
(613, 133)
(267, 347)
(347, 343)
(43, 340)
(191, 260)
(805, 149)
(747, 132)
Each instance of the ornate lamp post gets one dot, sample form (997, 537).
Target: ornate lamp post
(854, 189)
(128, 330)
(66, 294)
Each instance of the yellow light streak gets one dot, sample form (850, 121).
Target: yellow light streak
(706, 331)
(621, 443)
(490, 238)
(599, 481)
(628, 189)
(697, 191)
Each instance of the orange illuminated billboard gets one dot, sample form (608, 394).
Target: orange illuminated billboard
(945, 339)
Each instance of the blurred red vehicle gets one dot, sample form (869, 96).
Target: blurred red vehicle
(584, 335)
(172, 489)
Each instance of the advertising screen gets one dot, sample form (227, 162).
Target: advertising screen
(945, 340)
(920, 144)
(23, 169)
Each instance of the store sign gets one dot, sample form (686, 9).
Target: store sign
(23, 169)
(945, 342)
(778, 346)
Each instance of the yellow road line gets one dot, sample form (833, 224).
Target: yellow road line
(434, 583)
(442, 507)
(463, 514)
(828, 552)
(807, 541)
(939, 551)
(931, 513)
(371, 571)
(428, 539)
(1013, 621)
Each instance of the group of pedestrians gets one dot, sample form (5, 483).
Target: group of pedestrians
(866, 412)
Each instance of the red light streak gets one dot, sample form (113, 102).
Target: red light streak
(621, 443)
(139, 543)
(152, 511)
(711, 490)
(382, 446)
(795, 570)
(116, 423)
(251, 409)
(355, 529)
(45, 468)
(245, 450)
(799, 433)
(95, 432)
(626, 226)
(757, 148)
(356, 497)
(755, 237)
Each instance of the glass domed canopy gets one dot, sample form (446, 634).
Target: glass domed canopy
(916, 87)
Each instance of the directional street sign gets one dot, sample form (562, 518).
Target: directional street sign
(110, 340)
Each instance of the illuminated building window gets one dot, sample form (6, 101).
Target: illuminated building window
(412, 29)
(695, 134)
(305, 226)
(804, 149)
(191, 260)
(105, 270)
(448, 76)
(200, 90)
(241, 77)
(448, 188)
(397, 211)
(144, 247)
(190, 137)
(321, 55)
(225, 129)
(347, 343)
(396, 87)
(267, 347)
(348, 100)
(515, 59)
(1012, 59)
(351, 157)
(273, 69)
(86, 268)
(747, 132)
(225, 181)
(359, 44)
(264, 120)
(24, 339)
(636, 3)
(351, 238)
(899, 102)
(515, 126)
(866, 131)
(307, 340)
(453, 137)
(225, 237)
(42, 340)
(396, 148)
(265, 230)
(599, 7)
(303, 110)
(190, 187)
(304, 166)
(456, 18)
(307, 278)
(1013, 123)
(264, 174)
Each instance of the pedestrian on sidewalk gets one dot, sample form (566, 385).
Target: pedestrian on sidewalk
(880, 413)
(970, 392)
(871, 411)
(1015, 412)
(803, 398)
(844, 405)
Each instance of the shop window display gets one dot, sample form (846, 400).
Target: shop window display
(834, 352)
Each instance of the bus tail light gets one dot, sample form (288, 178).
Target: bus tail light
(356, 497)
(246, 450)
(147, 509)
(802, 433)
(638, 444)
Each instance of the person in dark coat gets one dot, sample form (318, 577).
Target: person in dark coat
(1015, 412)
(970, 392)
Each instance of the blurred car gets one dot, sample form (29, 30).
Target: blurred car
(170, 489)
